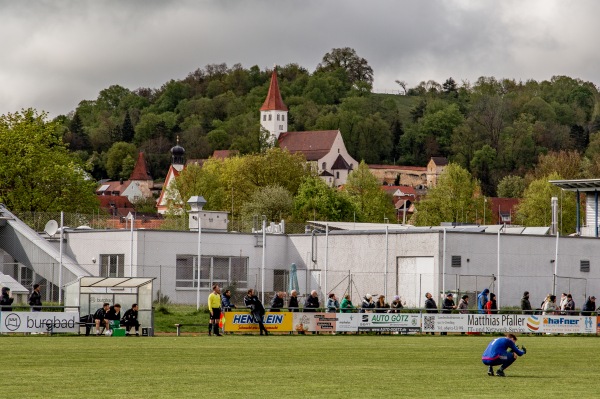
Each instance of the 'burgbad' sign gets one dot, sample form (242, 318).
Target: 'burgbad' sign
(22, 322)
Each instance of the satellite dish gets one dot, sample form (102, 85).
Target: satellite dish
(51, 227)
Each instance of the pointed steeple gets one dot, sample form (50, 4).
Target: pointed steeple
(140, 171)
(274, 102)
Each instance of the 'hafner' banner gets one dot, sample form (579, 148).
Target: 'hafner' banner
(22, 322)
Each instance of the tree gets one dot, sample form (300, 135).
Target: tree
(127, 130)
(115, 158)
(275, 202)
(511, 187)
(371, 203)
(356, 67)
(454, 199)
(402, 84)
(317, 201)
(535, 208)
(37, 172)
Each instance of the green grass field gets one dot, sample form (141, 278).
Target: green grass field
(284, 366)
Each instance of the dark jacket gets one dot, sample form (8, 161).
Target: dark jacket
(366, 305)
(35, 300)
(112, 314)
(311, 304)
(293, 305)
(381, 308)
(130, 317)
(100, 314)
(525, 305)
(448, 305)
(256, 307)
(588, 308)
(431, 306)
(226, 303)
(396, 306)
(276, 303)
(6, 301)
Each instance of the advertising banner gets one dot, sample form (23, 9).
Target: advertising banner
(36, 322)
(568, 324)
(347, 322)
(315, 321)
(245, 322)
(389, 322)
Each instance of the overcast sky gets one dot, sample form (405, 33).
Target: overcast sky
(56, 53)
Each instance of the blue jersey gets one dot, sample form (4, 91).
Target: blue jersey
(498, 348)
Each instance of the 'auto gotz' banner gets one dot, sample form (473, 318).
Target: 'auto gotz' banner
(245, 322)
(28, 322)
(389, 322)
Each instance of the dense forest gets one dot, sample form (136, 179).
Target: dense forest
(494, 128)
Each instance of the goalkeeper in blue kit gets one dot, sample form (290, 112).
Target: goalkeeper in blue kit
(501, 352)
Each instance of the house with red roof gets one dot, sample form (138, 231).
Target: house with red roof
(324, 149)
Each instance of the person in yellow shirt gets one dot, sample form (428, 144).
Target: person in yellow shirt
(214, 307)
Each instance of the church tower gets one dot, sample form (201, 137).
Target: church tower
(274, 113)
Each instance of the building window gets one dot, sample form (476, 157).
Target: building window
(324, 165)
(282, 117)
(264, 118)
(456, 261)
(223, 270)
(337, 175)
(584, 266)
(280, 127)
(278, 117)
(281, 278)
(269, 117)
(112, 265)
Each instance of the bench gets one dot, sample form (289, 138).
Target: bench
(178, 326)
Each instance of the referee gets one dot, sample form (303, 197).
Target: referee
(214, 307)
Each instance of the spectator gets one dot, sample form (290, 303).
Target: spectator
(35, 299)
(381, 306)
(525, 304)
(6, 300)
(113, 316)
(100, 317)
(491, 307)
(214, 307)
(589, 307)
(226, 304)
(482, 299)
(332, 303)
(130, 319)
(346, 306)
(277, 302)
(256, 309)
(550, 305)
(367, 304)
(563, 302)
(448, 305)
(430, 306)
(396, 305)
(570, 305)
(463, 305)
(312, 302)
(293, 305)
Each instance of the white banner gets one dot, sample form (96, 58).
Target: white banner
(389, 322)
(21, 322)
(509, 323)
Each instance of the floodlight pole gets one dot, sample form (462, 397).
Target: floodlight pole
(199, 262)
(131, 222)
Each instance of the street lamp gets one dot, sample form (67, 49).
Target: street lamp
(196, 203)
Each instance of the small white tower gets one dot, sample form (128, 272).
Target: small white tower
(274, 113)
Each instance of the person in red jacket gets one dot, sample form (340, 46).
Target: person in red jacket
(491, 307)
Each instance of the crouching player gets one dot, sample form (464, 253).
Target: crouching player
(501, 352)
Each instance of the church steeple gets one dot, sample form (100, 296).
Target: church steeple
(177, 154)
(274, 113)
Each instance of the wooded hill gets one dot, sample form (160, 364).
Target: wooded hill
(492, 127)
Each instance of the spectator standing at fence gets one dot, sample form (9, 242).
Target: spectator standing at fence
(226, 304)
(214, 307)
(312, 302)
(550, 305)
(430, 305)
(6, 300)
(332, 303)
(563, 302)
(491, 306)
(448, 305)
(35, 299)
(113, 314)
(463, 305)
(501, 352)
(525, 304)
(368, 304)
(257, 310)
(589, 307)
(130, 319)
(277, 302)
(346, 306)
(381, 306)
(100, 317)
(570, 305)
(396, 305)
(482, 300)
(293, 305)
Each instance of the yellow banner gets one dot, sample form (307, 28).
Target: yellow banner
(244, 322)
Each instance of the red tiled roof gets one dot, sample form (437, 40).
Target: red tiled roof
(222, 154)
(140, 171)
(407, 190)
(314, 145)
(112, 186)
(504, 205)
(274, 102)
